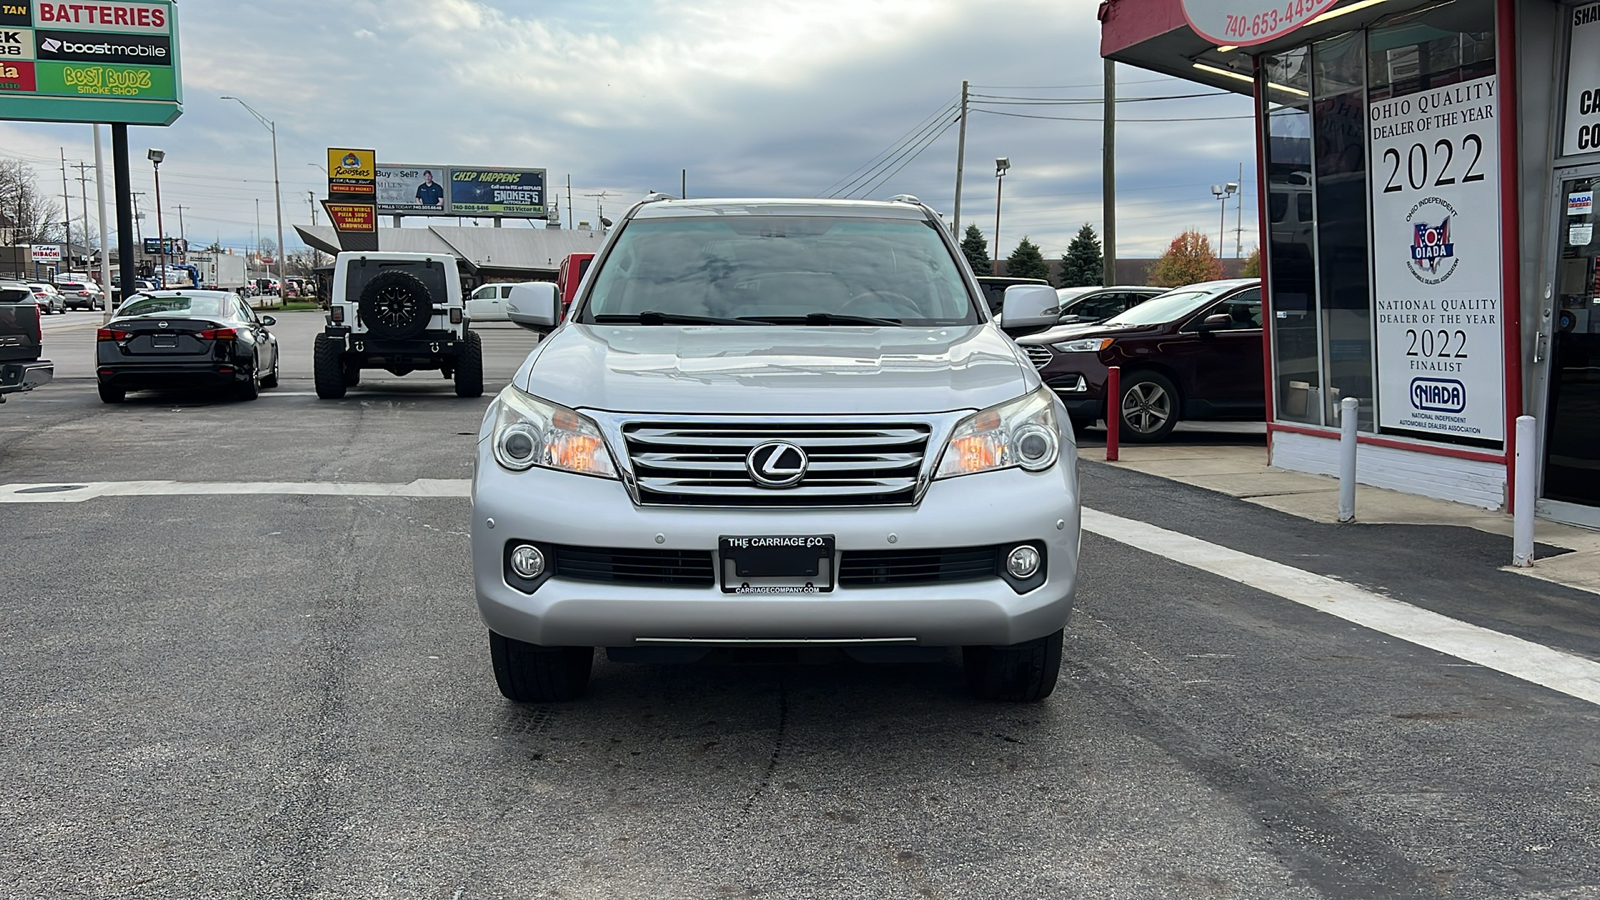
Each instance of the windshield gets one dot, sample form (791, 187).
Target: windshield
(179, 305)
(1162, 308)
(755, 270)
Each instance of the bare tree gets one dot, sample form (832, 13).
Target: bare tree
(37, 216)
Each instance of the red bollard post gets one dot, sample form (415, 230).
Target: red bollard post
(1113, 411)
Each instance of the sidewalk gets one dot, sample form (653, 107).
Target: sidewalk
(1242, 471)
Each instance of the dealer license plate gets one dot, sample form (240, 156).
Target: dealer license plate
(776, 564)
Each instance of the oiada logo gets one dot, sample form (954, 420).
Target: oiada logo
(776, 464)
(1432, 251)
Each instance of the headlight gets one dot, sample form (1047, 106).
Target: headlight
(1021, 432)
(1085, 345)
(531, 432)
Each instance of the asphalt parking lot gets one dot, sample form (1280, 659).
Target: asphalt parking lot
(289, 695)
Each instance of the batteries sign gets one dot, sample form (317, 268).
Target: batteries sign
(108, 61)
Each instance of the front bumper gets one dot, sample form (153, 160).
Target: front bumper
(25, 376)
(984, 509)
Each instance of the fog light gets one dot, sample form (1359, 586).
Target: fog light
(527, 561)
(1036, 447)
(1023, 561)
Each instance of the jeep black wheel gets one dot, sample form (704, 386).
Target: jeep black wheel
(1014, 672)
(327, 368)
(395, 306)
(469, 367)
(529, 673)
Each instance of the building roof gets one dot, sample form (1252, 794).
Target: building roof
(537, 250)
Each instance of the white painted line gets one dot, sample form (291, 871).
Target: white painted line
(1559, 671)
(77, 492)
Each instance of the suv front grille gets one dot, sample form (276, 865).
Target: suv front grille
(881, 567)
(1038, 355)
(703, 464)
(651, 566)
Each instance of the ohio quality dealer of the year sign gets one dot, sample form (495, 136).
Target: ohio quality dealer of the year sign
(1434, 170)
(106, 61)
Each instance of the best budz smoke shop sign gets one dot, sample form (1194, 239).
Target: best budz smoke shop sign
(108, 61)
(1434, 173)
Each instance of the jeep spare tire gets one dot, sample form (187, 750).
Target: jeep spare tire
(395, 306)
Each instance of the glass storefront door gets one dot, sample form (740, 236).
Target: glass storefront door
(1572, 443)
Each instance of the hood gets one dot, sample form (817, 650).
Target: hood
(1082, 330)
(776, 370)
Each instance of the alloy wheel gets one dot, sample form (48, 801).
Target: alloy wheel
(1146, 407)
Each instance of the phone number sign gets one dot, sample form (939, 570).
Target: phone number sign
(1245, 22)
(108, 61)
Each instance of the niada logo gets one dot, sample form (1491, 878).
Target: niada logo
(1445, 395)
(1432, 252)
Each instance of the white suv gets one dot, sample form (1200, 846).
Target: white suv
(399, 312)
(776, 423)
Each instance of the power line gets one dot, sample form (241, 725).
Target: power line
(916, 141)
(835, 188)
(1002, 99)
(996, 112)
(925, 145)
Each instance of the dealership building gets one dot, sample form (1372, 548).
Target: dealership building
(1428, 230)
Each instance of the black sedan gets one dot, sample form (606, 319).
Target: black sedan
(178, 339)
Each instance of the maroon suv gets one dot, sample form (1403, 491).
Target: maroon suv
(1191, 353)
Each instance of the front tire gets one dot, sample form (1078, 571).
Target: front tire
(469, 367)
(1149, 408)
(327, 368)
(529, 673)
(1014, 672)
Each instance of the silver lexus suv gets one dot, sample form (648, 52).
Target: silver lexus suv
(775, 423)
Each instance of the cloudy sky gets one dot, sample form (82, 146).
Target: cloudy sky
(764, 98)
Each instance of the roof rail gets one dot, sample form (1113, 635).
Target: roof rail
(905, 198)
(656, 197)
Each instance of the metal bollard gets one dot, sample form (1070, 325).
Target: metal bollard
(1349, 417)
(1522, 501)
(1113, 411)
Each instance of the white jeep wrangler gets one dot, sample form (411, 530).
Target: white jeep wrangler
(399, 312)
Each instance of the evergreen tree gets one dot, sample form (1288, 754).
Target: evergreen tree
(1188, 260)
(1027, 262)
(976, 250)
(1083, 264)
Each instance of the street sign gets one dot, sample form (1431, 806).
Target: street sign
(46, 253)
(113, 61)
(351, 174)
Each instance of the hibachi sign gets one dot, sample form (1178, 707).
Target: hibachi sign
(111, 61)
(1245, 22)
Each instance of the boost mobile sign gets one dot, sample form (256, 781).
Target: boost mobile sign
(1435, 186)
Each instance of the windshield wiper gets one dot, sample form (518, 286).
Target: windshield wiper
(824, 318)
(656, 317)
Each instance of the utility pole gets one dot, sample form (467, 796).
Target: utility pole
(137, 231)
(66, 210)
(1108, 177)
(571, 221)
(1238, 219)
(83, 189)
(961, 158)
(683, 184)
(183, 233)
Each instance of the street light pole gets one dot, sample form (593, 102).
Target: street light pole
(277, 192)
(1001, 164)
(1222, 192)
(156, 156)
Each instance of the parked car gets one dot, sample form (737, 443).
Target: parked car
(48, 297)
(80, 294)
(994, 289)
(184, 338)
(1193, 352)
(570, 276)
(775, 423)
(21, 341)
(488, 303)
(1084, 305)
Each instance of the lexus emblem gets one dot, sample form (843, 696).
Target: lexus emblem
(776, 464)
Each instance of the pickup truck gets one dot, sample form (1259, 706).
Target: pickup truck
(21, 369)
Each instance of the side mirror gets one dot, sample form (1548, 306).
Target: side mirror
(534, 306)
(1216, 321)
(1030, 306)
(268, 321)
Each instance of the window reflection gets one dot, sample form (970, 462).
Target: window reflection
(1290, 251)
